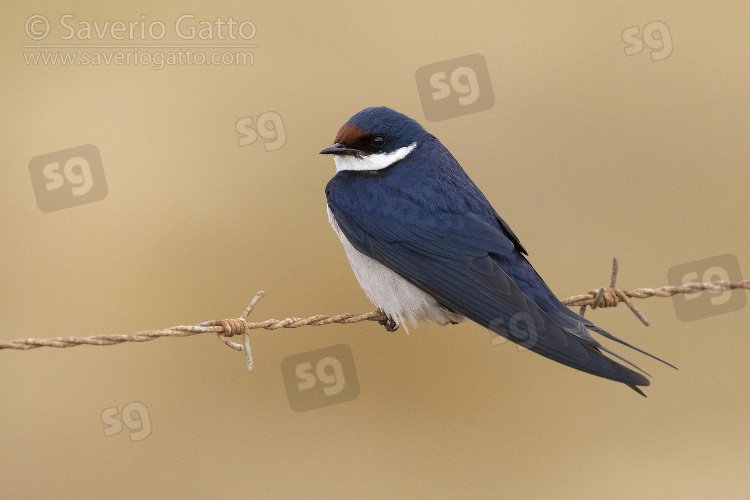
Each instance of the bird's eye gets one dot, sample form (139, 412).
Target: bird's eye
(377, 141)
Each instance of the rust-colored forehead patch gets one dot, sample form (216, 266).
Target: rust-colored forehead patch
(349, 134)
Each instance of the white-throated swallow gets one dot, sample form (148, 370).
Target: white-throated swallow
(426, 245)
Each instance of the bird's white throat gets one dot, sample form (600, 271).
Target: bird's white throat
(372, 161)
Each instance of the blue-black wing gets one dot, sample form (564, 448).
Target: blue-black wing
(454, 257)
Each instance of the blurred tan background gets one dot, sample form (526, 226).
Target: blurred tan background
(587, 153)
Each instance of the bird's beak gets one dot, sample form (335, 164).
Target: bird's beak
(340, 149)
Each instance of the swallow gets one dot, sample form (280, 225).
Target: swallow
(426, 245)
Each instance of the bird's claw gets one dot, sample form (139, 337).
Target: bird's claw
(389, 324)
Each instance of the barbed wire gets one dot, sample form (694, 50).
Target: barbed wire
(226, 328)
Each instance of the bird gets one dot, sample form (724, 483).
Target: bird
(426, 245)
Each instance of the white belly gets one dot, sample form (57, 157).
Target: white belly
(395, 296)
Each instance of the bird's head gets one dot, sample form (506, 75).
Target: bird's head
(374, 139)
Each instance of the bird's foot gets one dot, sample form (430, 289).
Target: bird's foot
(388, 323)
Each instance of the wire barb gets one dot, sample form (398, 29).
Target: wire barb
(610, 297)
(226, 328)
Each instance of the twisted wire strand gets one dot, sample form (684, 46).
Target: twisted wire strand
(612, 295)
(226, 328)
(223, 327)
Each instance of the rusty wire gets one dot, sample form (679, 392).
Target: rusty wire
(226, 328)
